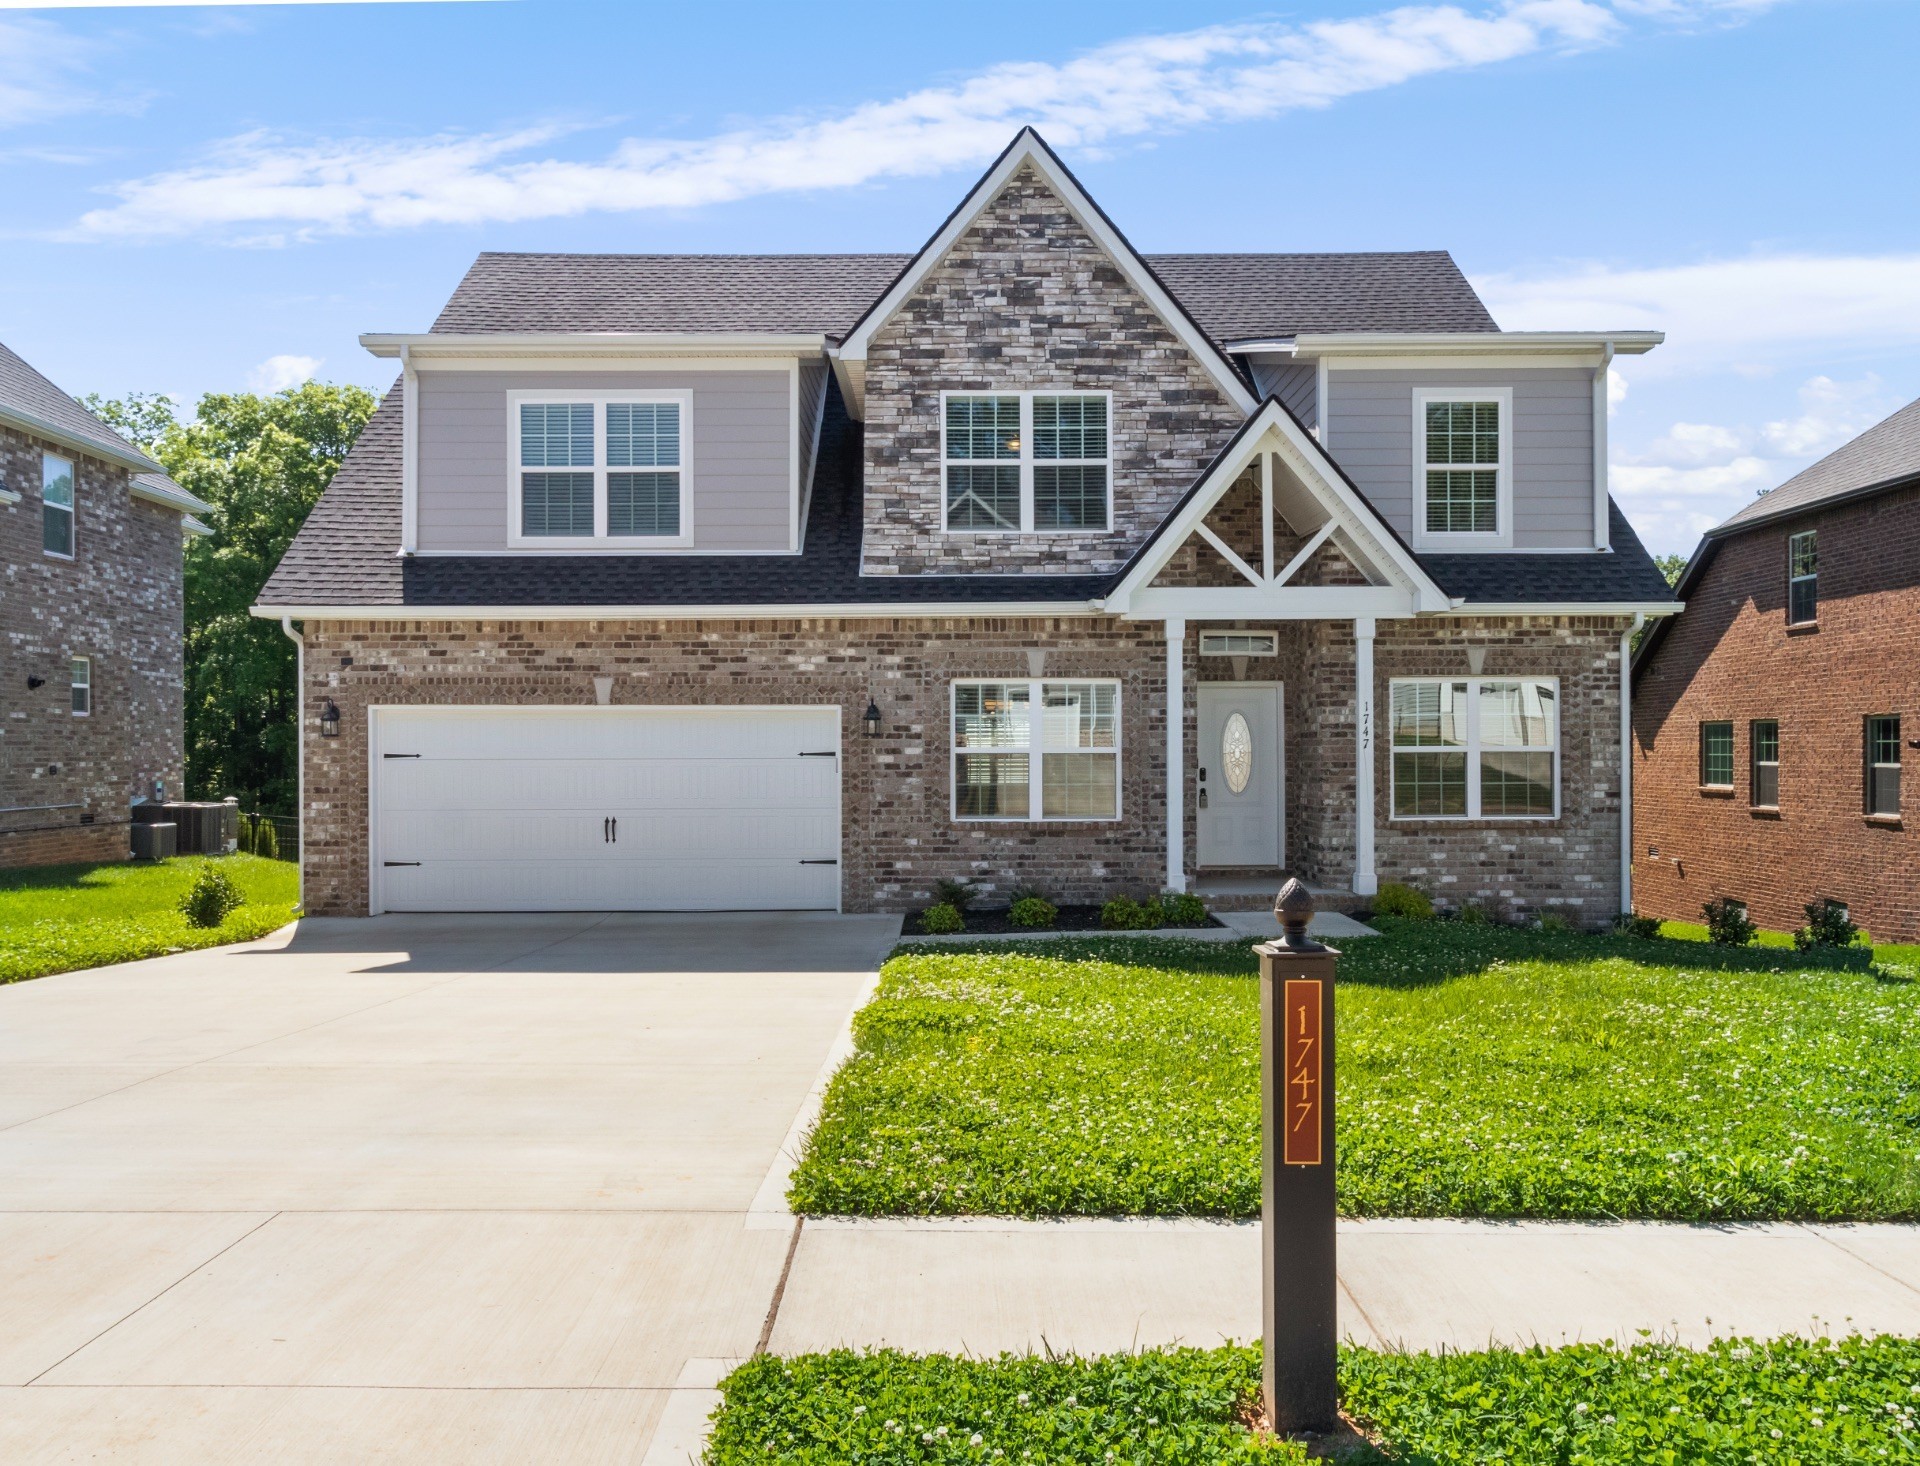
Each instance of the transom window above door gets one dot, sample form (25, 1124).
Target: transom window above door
(599, 470)
(1026, 462)
(1463, 489)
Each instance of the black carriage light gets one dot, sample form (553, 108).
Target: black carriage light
(870, 720)
(34, 682)
(329, 720)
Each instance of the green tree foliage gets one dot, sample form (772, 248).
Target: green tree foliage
(1671, 566)
(261, 462)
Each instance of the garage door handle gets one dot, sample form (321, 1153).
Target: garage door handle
(399, 862)
(616, 829)
(819, 862)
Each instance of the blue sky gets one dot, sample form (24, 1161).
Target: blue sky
(205, 198)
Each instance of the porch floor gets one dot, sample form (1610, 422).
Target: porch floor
(1241, 891)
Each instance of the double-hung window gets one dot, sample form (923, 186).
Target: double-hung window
(1765, 778)
(1803, 579)
(1883, 767)
(600, 471)
(1476, 749)
(56, 505)
(1031, 750)
(1463, 490)
(1017, 462)
(1716, 755)
(80, 671)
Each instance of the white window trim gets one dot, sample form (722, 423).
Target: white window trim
(1502, 536)
(83, 684)
(1473, 750)
(599, 539)
(1793, 580)
(1036, 750)
(1027, 461)
(72, 511)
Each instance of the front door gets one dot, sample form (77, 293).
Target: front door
(1242, 783)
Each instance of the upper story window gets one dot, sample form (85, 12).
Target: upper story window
(599, 470)
(81, 672)
(1463, 490)
(1803, 579)
(1476, 750)
(1019, 462)
(56, 505)
(1883, 767)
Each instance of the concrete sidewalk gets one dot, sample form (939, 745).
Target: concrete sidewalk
(986, 1285)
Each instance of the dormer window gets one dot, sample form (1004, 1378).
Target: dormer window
(1463, 490)
(1026, 462)
(599, 470)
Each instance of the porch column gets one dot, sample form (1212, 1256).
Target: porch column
(1176, 753)
(1365, 881)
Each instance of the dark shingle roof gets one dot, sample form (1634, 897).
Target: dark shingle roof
(1628, 574)
(31, 401)
(348, 551)
(1231, 296)
(1884, 455)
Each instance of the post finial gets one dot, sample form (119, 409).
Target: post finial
(1293, 909)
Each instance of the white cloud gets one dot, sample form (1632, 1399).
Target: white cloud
(275, 188)
(43, 73)
(1616, 390)
(277, 373)
(1831, 413)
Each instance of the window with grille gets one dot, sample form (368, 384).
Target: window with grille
(1463, 465)
(80, 672)
(1765, 748)
(1716, 755)
(1026, 461)
(1476, 749)
(600, 470)
(1883, 766)
(1028, 750)
(1803, 579)
(56, 505)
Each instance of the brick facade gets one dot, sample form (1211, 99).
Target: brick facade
(118, 603)
(1731, 657)
(1027, 300)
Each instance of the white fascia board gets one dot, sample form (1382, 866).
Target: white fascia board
(170, 496)
(124, 456)
(1261, 346)
(913, 611)
(194, 527)
(1473, 343)
(1269, 602)
(1566, 608)
(432, 345)
(1027, 148)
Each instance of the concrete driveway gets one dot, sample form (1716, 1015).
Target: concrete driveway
(411, 1189)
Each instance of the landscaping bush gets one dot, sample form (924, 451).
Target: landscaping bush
(1124, 914)
(1396, 899)
(1632, 924)
(244, 837)
(1553, 921)
(266, 839)
(211, 897)
(942, 918)
(957, 894)
(1727, 922)
(1829, 925)
(1032, 912)
(1472, 915)
(1182, 908)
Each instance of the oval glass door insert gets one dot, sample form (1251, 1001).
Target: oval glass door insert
(1236, 752)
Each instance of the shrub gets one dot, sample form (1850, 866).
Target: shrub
(1471, 915)
(1829, 924)
(1395, 899)
(1182, 908)
(1032, 912)
(942, 917)
(957, 894)
(1030, 893)
(1553, 921)
(1632, 924)
(210, 897)
(1123, 914)
(244, 837)
(1727, 922)
(266, 839)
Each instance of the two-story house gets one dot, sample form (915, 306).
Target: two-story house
(804, 581)
(91, 642)
(1773, 718)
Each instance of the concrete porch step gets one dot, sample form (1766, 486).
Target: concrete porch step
(1256, 893)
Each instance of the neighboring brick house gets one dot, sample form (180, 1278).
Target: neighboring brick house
(90, 626)
(805, 581)
(1772, 719)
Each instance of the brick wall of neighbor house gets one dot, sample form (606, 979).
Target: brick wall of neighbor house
(1730, 657)
(1026, 300)
(117, 602)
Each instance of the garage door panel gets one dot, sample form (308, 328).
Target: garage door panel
(660, 885)
(459, 834)
(502, 785)
(612, 733)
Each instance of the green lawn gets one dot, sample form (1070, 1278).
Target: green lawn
(1789, 1401)
(1693, 931)
(1483, 1072)
(59, 918)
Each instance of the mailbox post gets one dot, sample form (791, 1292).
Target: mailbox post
(1296, 1170)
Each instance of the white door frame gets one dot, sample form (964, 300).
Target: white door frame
(376, 905)
(1279, 759)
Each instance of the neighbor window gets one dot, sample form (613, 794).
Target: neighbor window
(1036, 750)
(1463, 464)
(1803, 579)
(56, 505)
(1716, 755)
(81, 670)
(1883, 766)
(601, 470)
(1026, 461)
(1476, 749)
(1766, 763)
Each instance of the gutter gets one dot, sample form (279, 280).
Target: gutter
(825, 611)
(430, 344)
(123, 456)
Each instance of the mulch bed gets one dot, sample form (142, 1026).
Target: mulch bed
(1071, 919)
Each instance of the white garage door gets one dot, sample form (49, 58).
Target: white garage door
(606, 809)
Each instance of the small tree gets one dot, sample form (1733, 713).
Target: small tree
(243, 839)
(211, 896)
(1727, 922)
(1829, 924)
(266, 839)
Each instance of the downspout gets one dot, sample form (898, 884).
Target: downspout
(1626, 760)
(300, 751)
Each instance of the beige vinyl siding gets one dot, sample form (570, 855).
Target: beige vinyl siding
(1295, 383)
(740, 475)
(1370, 434)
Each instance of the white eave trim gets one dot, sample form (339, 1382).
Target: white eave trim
(123, 456)
(171, 496)
(1566, 608)
(430, 346)
(824, 611)
(1472, 343)
(194, 527)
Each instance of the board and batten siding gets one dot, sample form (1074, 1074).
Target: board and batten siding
(1295, 383)
(1369, 431)
(740, 482)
